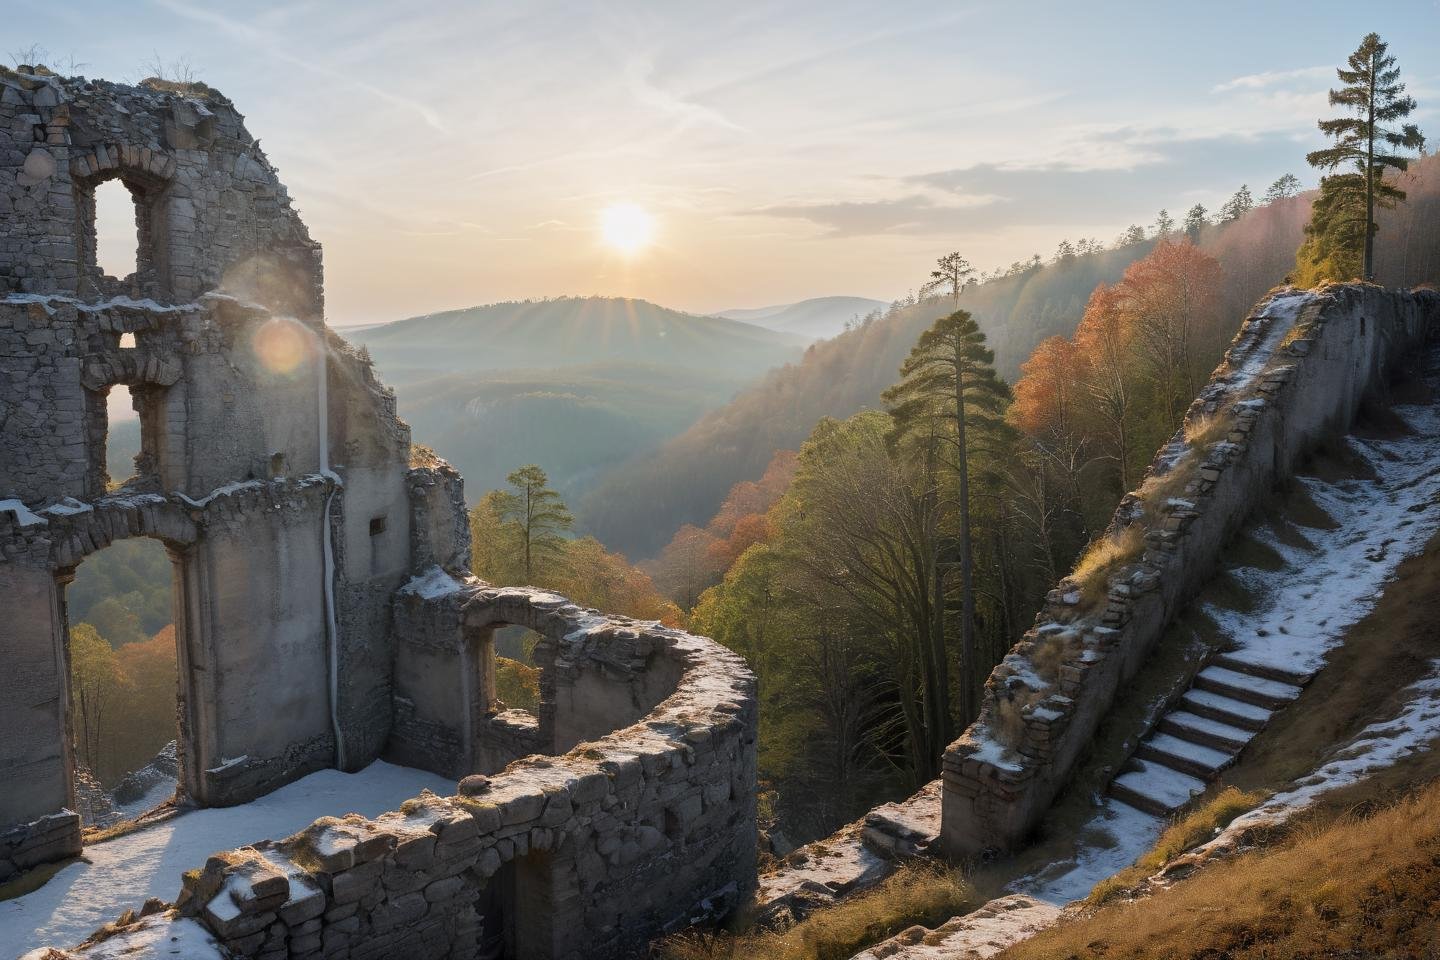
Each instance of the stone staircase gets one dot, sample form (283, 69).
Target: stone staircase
(1202, 733)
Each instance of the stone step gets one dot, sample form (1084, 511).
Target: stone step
(1200, 729)
(1241, 663)
(1227, 710)
(1195, 759)
(1271, 694)
(1155, 788)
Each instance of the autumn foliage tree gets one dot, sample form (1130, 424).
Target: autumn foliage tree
(697, 557)
(123, 699)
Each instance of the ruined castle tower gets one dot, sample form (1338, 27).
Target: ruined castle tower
(323, 610)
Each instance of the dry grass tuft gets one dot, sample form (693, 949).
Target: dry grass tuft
(1356, 887)
(1184, 834)
(914, 894)
(1205, 429)
(1105, 554)
(1008, 718)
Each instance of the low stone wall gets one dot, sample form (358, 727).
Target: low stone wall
(46, 840)
(1296, 373)
(586, 855)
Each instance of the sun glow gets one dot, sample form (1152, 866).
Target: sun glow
(627, 228)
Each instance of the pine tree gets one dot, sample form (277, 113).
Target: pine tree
(1195, 221)
(951, 270)
(1164, 224)
(949, 391)
(1238, 205)
(1282, 189)
(536, 514)
(1346, 208)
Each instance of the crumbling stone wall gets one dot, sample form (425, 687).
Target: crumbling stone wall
(211, 211)
(585, 855)
(1297, 373)
(272, 463)
(627, 834)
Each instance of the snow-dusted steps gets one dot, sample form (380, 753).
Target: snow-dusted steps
(1304, 608)
(1229, 702)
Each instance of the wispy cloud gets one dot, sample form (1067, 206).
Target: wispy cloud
(1273, 78)
(639, 78)
(913, 214)
(265, 41)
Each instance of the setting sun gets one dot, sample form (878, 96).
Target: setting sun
(626, 227)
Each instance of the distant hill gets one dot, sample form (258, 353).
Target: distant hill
(575, 421)
(575, 384)
(571, 331)
(818, 318)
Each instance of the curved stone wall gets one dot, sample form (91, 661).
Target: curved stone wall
(1295, 374)
(589, 854)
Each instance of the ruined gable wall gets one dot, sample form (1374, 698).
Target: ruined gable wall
(211, 208)
(1295, 375)
(243, 395)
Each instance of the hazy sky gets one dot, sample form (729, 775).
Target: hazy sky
(450, 153)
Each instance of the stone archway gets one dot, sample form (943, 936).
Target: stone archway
(108, 522)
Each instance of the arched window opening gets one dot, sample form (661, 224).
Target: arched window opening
(117, 230)
(123, 681)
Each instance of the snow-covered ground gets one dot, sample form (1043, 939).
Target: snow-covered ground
(124, 872)
(1302, 614)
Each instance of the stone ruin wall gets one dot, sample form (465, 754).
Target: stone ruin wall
(1295, 375)
(318, 616)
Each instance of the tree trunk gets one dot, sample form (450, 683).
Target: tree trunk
(967, 562)
(1368, 271)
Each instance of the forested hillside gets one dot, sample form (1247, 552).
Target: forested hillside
(641, 504)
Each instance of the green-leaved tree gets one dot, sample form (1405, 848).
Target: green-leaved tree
(536, 515)
(1367, 144)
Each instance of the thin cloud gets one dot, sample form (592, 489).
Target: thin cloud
(914, 214)
(264, 41)
(1271, 78)
(638, 79)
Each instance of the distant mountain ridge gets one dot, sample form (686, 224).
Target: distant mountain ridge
(572, 331)
(574, 384)
(818, 318)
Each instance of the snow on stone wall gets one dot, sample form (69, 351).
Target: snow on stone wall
(1296, 373)
(585, 855)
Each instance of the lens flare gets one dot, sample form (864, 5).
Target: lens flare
(280, 344)
(627, 227)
